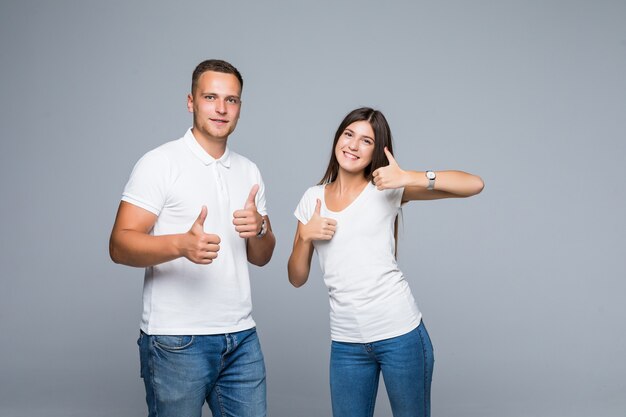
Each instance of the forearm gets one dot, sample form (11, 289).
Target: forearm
(299, 264)
(260, 250)
(133, 248)
(457, 183)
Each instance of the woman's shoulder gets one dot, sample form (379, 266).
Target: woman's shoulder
(314, 191)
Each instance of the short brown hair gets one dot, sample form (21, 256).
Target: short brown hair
(216, 65)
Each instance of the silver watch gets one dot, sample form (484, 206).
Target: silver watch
(263, 230)
(431, 180)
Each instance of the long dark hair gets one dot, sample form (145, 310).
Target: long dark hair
(382, 138)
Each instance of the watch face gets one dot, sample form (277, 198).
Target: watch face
(430, 175)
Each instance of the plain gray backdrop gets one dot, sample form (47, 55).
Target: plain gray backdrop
(522, 287)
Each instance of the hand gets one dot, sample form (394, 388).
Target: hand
(197, 246)
(391, 176)
(248, 221)
(318, 227)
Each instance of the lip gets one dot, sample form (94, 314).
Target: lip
(219, 121)
(350, 156)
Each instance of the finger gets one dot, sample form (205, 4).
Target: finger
(213, 239)
(202, 217)
(318, 207)
(331, 222)
(252, 195)
(246, 228)
(239, 214)
(213, 248)
(392, 160)
(238, 221)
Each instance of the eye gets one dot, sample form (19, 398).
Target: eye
(209, 97)
(368, 141)
(348, 134)
(233, 100)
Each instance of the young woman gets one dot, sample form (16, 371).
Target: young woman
(350, 219)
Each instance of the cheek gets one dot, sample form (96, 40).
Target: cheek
(338, 148)
(367, 154)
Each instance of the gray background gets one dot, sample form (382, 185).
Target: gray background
(522, 287)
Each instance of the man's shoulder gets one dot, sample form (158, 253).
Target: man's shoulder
(171, 147)
(167, 151)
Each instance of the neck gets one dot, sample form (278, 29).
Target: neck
(348, 182)
(213, 146)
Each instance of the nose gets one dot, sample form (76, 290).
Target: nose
(354, 143)
(220, 107)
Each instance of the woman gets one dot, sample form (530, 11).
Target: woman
(350, 219)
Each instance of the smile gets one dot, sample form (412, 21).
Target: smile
(350, 156)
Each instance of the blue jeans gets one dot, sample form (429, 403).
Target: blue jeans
(182, 372)
(406, 363)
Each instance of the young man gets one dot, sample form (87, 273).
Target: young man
(193, 214)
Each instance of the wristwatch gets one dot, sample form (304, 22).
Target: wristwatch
(263, 230)
(431, 180)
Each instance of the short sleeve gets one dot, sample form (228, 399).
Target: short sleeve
(260, 201)
(394, 196)
(148, 183)
(306, 206)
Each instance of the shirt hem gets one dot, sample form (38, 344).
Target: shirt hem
(378, 338)
(194, 331)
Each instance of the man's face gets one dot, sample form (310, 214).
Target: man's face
(215, 104)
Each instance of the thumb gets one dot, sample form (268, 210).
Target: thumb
(201, 218)
(252, 195)
(392, 160)
(318, 207)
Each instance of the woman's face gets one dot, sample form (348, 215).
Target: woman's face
(355, 147)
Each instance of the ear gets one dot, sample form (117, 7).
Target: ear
(190, 103)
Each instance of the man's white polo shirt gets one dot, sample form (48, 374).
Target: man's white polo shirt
(174, 181)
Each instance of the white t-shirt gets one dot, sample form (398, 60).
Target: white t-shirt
(174, 181)
(369, 298)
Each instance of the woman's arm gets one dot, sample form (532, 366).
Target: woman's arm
(299, 264)
(317, 228)
(448, 184)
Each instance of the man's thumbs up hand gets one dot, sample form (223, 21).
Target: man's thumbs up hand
(248, 221)
(196, 245)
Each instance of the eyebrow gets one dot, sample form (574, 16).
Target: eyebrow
(208, 93)
(364, 136)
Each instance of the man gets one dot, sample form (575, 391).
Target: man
(193, 214)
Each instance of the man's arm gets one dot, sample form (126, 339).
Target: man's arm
(260, 250)
(132, 244)
(248, 223)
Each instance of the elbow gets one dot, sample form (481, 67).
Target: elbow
(260, 261)
(296, 278)
(296, 282)
(479, 185)
(474, 187)
(113, 252)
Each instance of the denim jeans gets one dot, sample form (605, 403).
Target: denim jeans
(406, 363)
(182, 372)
